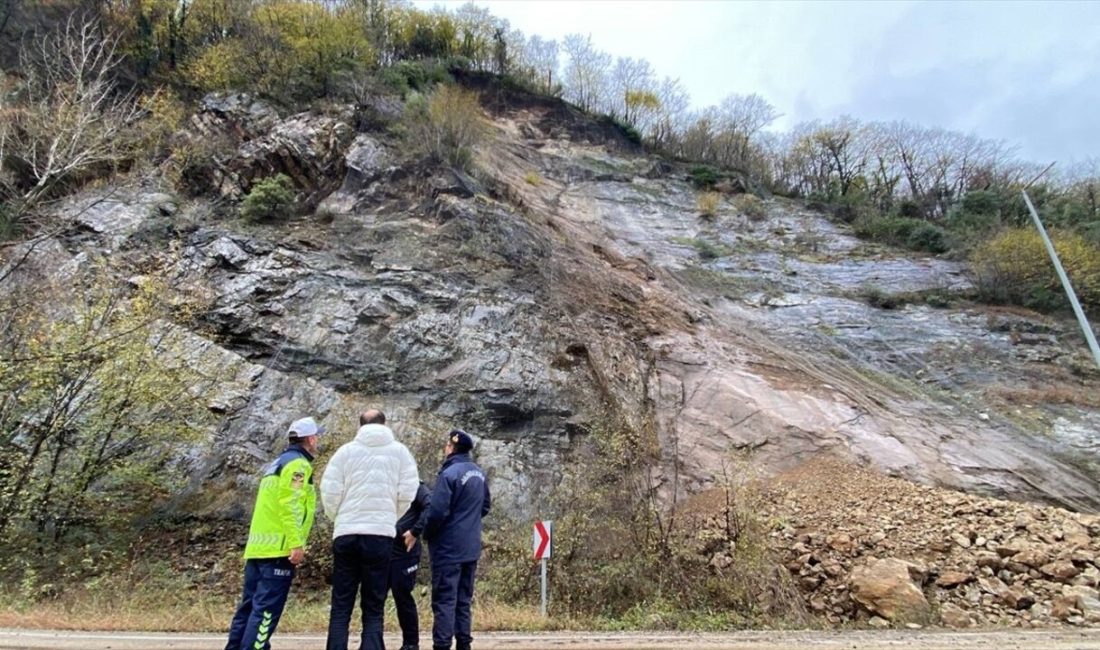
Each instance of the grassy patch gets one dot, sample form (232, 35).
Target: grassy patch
(725, 284)
(707, 204)
(706, 249)
(937, 297)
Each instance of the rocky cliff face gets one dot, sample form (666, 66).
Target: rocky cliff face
(572, 283)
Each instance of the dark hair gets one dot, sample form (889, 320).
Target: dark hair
(373, 416)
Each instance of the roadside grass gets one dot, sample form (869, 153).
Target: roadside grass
(188, 610)
(142, 609)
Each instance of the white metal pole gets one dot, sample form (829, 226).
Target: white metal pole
(1085, 327)
(543, 586)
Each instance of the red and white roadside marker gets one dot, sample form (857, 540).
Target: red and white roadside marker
(541, 546)
(540, 541)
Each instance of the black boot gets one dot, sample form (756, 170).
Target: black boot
(412, 646)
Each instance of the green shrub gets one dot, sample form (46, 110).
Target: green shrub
(972, 225)
(981, 202)
(707, 249)
(928, 237)
(111, 396)
(914, 234)
(420, 76)
(909, 209)
(703, 177)
(891, 230)
(270, 199)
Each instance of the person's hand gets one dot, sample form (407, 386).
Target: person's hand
(410, 540)
(297, 555)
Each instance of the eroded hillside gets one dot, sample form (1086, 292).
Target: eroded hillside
(568, 285)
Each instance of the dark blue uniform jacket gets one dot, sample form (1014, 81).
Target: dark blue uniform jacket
(459, 500)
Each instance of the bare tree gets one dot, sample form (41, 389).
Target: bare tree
(740, 118)
(541, 57)
(74, 120)
(665, 126)
(586, 73)
(697, 140)
(630, 78)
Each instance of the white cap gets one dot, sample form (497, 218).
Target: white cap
(305, 428)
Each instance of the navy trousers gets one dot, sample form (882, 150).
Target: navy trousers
(452, 594)
(402, 581)
(266, 586)
(360, 563)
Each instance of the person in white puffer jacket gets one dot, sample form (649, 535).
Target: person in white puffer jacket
(367, 485)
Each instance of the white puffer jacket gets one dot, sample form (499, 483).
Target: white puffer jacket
(369, 483)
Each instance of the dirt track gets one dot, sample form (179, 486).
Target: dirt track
(757, 640)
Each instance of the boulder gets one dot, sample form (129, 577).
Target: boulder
(1075, 535)
(841, 543)
(1062, 570)
(954, 616)
(953, 579)
(1063, 607)
(1032, 557)
(1017, 598)
(885, 588)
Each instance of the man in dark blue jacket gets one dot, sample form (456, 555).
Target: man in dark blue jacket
(453, 532)
(404, 562)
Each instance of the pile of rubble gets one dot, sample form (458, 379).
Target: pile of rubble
(883, 551)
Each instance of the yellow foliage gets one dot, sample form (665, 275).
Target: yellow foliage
(1014, 266)
(289, 45)
(707, 203)
(319, 41)
(222, 66)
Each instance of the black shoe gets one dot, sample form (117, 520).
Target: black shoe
(410, 647)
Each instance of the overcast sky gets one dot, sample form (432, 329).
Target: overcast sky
(1027, 73)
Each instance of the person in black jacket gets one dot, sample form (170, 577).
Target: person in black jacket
(404, 563)
(453, 531)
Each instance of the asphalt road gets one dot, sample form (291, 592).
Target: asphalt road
(755, 640)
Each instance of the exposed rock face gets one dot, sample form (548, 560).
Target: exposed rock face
(530, 313)
(308, 148)
(885, 588)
